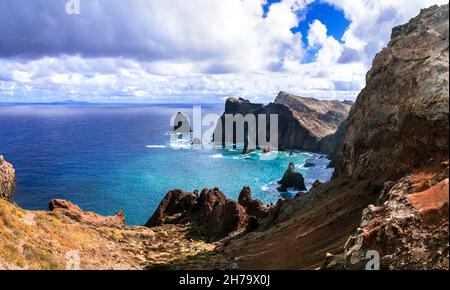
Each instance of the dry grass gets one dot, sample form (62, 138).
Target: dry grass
(41, 240)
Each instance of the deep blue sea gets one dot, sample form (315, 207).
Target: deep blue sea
(110, 157)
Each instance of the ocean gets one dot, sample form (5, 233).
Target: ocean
(107, 158)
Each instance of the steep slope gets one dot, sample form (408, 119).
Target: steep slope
(397, 132)
(400, 119)
(65, 235)
(321, 118)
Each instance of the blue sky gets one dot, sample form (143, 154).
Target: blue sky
(331, 16)
(158, 51)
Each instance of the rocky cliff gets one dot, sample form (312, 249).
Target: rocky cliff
(398, 133)
(400, 119)
(7, 180)
(302, 122)
(392, 170)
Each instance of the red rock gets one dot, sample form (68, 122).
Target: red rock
(217, 216)
(175, 202)
(75, 212)
(252, 207)
(432, 203)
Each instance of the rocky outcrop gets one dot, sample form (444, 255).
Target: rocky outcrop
(292, 179)
(241, 106)
(216, 215)
(302, 122)
(400, 119)
(75, 212)
(253, 207)
(7, 180)
(408, 229)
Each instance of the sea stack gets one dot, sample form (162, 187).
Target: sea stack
(292, 179)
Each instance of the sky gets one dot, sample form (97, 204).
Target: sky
(196, 51)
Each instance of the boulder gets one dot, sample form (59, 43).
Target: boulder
(252, 207)
(292, 179)
(7, 180)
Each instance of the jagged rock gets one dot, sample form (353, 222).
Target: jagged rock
(175, 202)
(217, 216)
(7, 180)
(408, 231)
(252, 207)
(292, 179)
(75, 212)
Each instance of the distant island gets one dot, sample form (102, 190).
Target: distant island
(70, 102)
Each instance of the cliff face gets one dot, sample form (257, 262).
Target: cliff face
(321, 118)
(398, 132)
(302, 122)
(400, 119)
(7, 180)
(390, 190)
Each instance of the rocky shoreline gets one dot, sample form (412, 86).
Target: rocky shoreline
(389, 193)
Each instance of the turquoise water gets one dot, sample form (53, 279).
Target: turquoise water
(111, 157)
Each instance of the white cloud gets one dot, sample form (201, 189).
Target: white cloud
(196, 50)
(372, 22)
(329, 48)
